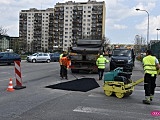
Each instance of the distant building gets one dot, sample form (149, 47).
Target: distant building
(61, 26)
(4, 42)
(78, 20)
(36, 29)
(14, 44)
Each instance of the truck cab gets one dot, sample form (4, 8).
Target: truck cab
(122, 58)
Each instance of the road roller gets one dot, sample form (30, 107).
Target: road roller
(119, 83)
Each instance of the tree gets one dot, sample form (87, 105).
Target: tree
(3, 31)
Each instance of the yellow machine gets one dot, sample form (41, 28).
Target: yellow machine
(119, 88)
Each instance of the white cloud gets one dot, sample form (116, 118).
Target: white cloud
(153, 25)
(118, 26)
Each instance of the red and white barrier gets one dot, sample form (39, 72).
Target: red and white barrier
(18, 75)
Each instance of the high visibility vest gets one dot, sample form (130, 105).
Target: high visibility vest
(101, 62)
(65, 61)
(150, 65)
(60, 56)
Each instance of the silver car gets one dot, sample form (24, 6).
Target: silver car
(39, 57)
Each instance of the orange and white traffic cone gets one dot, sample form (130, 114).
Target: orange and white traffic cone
(10, 87)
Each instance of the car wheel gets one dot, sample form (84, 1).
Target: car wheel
(34, 60)
(48, 61)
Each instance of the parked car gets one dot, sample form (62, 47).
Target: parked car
(54, 57)
(9, 57)
(39, 57)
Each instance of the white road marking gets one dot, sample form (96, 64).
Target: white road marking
(4, 73)
(103, 111)
(90, 110)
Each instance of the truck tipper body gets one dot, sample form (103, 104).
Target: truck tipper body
(85, 54)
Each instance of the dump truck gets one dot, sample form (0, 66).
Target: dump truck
(85, 54)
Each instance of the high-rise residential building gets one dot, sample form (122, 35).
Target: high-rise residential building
(36, 29)
(60, 27)
(78, 20)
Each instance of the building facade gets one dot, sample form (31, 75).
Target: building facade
(78, 20)
(60, 27)
(36, 29)
(4, 42)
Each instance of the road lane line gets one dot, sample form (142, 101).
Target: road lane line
(104, 111)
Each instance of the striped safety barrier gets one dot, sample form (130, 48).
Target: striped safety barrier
(18, 75)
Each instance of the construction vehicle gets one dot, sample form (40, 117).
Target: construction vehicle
(118, 83)
(85, 54)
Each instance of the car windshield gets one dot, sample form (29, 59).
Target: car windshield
(121, 52)
(34, 54)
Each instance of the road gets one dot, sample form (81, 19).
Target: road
(36, 102)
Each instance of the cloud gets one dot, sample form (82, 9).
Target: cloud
(118, 26)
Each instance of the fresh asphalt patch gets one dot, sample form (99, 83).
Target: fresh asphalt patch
(82, 85)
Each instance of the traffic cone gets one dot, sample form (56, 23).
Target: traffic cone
(10, 87)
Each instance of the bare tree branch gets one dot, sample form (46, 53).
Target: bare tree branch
(3, 31)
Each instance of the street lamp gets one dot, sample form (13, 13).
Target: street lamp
(157, 32)
(148, 24)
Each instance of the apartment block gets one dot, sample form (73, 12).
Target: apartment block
(60, 27)
(78, 20)
(36, 29)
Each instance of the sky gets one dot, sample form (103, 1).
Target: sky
(122, 21)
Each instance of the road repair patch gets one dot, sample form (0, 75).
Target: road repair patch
(82, 85)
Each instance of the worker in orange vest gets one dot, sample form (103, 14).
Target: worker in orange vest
(60, 56)
(65, 62)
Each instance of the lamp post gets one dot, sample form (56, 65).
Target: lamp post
(148, 24)
(157, 32)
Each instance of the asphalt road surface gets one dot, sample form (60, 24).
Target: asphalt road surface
(36, 102)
